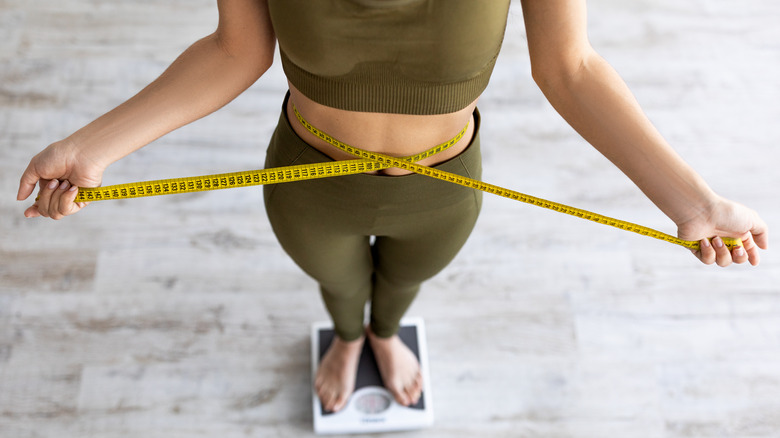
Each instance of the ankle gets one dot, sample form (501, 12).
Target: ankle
(350, 337)
(355, 344)
(380, 335)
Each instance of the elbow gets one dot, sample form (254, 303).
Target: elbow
(549, 77)
(556, 73)
(263, 63)
(256, 57)
(264, 58)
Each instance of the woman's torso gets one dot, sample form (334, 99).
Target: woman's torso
(396, 135)
(389, 76)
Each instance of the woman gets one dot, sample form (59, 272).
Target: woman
(397, 77)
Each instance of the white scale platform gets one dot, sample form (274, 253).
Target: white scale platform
(371, 407)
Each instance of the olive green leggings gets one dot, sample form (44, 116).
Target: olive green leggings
(418, 223)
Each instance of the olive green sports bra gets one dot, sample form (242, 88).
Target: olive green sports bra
(390, 56)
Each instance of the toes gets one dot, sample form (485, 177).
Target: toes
(331, 405)
(401, 397)
(411, 397)
(339, 403)
(414, 390)
(405, 395)
(418, 387)
(333, 401)
(328, 400)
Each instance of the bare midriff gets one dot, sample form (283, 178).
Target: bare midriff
(397, 135)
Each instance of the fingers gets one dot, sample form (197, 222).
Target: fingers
(55, 200)
(739, 255)
(40, 208)
(717, 252)
(760, 233)
(751, 247)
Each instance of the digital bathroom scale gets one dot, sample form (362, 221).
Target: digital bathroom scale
(371, 407)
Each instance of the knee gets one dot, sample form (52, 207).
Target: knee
(402, 283)
(345, 288)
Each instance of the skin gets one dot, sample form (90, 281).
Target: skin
(578, 82)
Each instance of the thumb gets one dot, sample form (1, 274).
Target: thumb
(27, 184)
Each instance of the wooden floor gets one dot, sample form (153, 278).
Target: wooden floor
(182, 317)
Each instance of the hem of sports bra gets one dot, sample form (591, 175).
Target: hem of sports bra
(382, 90)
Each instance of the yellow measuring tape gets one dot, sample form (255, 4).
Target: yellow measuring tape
(368, 161)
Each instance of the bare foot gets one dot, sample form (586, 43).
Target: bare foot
(399, 368)
(335, 380)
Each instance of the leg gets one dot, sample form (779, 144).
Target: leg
(402, 263)
(415, 244)
(322, 234)
(423, 233)
(342, 265)
(324, 227)
(414, 253)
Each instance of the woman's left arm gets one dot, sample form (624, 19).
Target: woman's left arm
(588, 93)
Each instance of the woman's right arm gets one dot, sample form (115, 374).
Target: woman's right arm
(208, 75)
